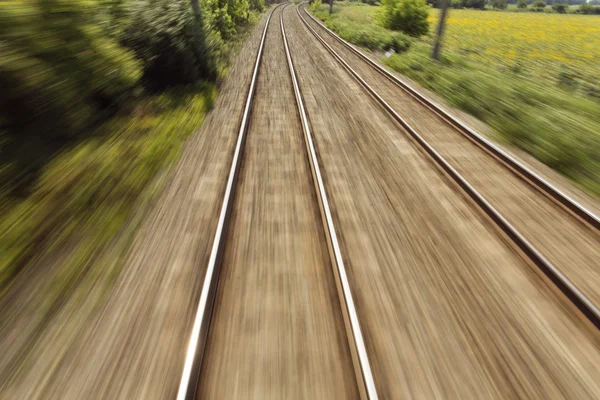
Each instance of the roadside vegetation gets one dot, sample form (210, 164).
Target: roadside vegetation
(97, 98)
(530, 76)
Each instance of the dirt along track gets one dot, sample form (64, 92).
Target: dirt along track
(133, 345)
(277, 330)
(448, 309)
(573, 247)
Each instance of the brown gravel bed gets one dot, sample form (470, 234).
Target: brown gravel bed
(133, 347)
(277, 330)
(570, 245)
(447, 308)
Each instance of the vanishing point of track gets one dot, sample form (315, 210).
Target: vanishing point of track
(205, 317)
(196, 356)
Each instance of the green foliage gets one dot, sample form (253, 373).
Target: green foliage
(522, 4)
(408, 16)
(239, 10)
(554, 117)
(399, 43)
(539, 5)
(218, 18)
(477, 4)
(59, 73)
(499, 4)
(558, 127)
(588, 9)
(170, 41)
(224, 16)
(458, 4)
(86, 194)
(58, 67)
(81, 141)
(560, 8)
(373, 37)
(257, 5)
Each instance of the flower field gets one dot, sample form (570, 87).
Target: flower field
(540, 43)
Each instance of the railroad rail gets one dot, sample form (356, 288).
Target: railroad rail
(197, 343)
(532, 255)
(520, 170)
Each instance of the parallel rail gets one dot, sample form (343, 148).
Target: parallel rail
(195, 352)
(197, 343)
(539, 183)
(362, 368)
(587, 308)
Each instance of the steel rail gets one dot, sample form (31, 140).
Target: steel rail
(360, 359)
(587, 308)
(196, 346)
(516, 167)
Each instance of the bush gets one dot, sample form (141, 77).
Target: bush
(170, 42)
(372, 37)
(408, 16)
(522, 4)
(539, 5)
(59, 74)
(257, 5)
(457, 4)
(399, 43)
(560, 8)
(218, 19)
(588, 9)
(57, 66)
(477, 4)
(499, 4)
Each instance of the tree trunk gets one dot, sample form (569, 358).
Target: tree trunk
(330, 6)
(440, 31)
(196, 8)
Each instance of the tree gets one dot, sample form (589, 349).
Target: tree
(479, 4)
(408, 16)
(169, 38)
(522, 4)
(560, 8)
(440, 31)
(499, 4)
(539, 5)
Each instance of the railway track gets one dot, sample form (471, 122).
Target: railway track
(267, 311)
(554, 232)
(277, 314)
(448, 307)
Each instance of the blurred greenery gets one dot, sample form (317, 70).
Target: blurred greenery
(90, 190)
(408, 16)
(170, 42)
(554, 122)
(559, 128)
(371, 36)
(97, 97)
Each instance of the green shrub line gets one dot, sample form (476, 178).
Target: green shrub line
(97, 117)
(554, 123)
(373, 37)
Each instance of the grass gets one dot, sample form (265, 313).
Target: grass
(528, 76)
(83, 206)
(357, 25)
(541, 45)
(87, 193)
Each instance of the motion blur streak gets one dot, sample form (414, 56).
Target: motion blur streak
(415, 216)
